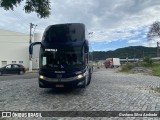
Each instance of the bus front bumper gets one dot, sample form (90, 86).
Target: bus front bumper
(73, 82)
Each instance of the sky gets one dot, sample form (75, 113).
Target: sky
(114, 23)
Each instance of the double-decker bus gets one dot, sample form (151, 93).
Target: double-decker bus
(64, 59)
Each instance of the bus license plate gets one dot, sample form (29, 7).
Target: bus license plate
(59, 85)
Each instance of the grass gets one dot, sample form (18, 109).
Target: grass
(155, 67)
(127, 67)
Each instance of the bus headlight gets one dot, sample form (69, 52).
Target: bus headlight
(80, 76)
(41, 77)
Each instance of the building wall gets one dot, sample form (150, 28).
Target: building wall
(14, 47)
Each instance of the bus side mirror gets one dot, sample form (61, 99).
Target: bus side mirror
(86, 47)
(31, 47)
(86, 58)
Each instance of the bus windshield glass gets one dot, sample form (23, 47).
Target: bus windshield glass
(64, 33)
(69, 59)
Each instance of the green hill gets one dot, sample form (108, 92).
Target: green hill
(130, 52)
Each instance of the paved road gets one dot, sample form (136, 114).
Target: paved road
(108, 91)
(6, 77)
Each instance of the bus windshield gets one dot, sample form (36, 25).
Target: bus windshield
(62, 59)
(64, 33)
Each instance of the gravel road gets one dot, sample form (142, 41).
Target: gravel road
(108, 91)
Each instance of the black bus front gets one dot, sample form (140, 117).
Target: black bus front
(64, 57)
(63, 67)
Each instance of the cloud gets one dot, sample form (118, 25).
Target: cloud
(134, 41)
(151, 43)
(109, 20)
(131, 15)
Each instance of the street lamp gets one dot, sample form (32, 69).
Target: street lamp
(90, 34)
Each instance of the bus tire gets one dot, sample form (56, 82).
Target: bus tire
(85, 82)
(89, 81)
(1, 73)
(89, 78)
(41, 86)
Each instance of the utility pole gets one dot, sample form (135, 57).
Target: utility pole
(30, 42)
(157, 49)
(30, 34)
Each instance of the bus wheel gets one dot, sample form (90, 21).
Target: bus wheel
(85, 82)
(89, 78)
(0, 73)
(41, 85)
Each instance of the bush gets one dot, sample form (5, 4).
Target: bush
(148, 61)
(127, 67)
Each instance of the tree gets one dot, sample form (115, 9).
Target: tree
(41, 7)
(154, 30)
(153, 33)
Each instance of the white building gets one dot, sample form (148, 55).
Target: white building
(35, 57)
(14, 48)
